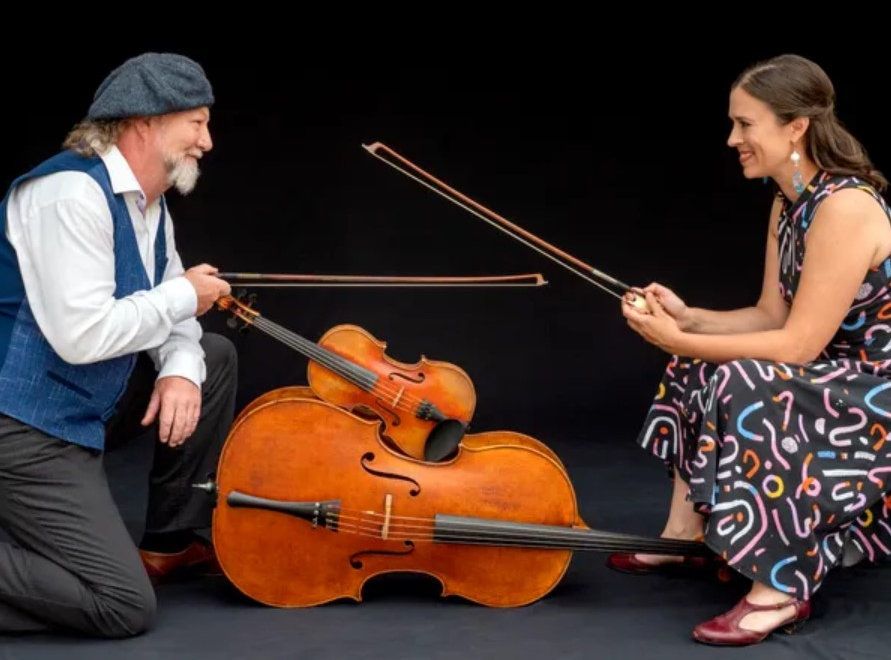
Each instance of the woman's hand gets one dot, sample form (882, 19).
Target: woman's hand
(670, 302)
(659, 327)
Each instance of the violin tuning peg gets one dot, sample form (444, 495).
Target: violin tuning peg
(232, 322)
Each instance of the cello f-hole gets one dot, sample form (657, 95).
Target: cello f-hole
(368, 457)
(356, 563)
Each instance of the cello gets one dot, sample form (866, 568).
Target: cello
(312, 503)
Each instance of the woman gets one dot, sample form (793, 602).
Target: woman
(773, 423)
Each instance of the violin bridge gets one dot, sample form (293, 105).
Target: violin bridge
(388, 508)
(398, 396)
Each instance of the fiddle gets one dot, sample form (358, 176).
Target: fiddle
(425, 406)
(311, 504)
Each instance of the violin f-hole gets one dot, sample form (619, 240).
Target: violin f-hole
(393, 375)
(393, 416)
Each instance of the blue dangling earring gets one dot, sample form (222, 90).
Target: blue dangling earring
(797, 181)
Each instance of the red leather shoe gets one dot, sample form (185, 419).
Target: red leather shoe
(629, 563)
(724, 629)
(197, 559)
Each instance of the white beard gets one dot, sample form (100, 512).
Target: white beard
(182, 173)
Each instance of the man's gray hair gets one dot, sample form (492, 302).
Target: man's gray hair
(94, 138)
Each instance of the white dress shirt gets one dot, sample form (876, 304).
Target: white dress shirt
(62, 231)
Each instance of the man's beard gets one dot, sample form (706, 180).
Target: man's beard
(182, 173)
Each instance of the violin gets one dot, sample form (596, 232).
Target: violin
(425, 406)
(312, 503)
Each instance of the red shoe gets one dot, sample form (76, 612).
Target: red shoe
(724, 629)
(629, 563)
(197, 559)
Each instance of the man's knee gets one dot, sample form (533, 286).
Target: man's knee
(126, 612)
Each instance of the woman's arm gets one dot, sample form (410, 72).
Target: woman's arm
(841, 245)
(769, 313)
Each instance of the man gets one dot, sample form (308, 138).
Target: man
(98, 341)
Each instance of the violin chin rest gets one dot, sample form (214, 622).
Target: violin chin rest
(442, 443)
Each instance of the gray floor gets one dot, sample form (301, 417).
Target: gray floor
(593, 613)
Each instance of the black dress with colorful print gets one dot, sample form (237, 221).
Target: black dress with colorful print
(789, 461)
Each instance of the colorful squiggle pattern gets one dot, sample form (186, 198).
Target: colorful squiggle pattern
(790, 462)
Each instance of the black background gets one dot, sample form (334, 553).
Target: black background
(616, 155)
(596, 135)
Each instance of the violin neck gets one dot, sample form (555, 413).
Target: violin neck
(338, 364)
(485, 531)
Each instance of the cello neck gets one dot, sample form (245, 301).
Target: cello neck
(486, 531)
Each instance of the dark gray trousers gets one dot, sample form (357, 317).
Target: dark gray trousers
(72, 564)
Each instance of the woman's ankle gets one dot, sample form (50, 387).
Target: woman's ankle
(684, 532)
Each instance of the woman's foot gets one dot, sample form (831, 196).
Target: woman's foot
(641, 563)
(691, 532)
(762, 611)
(659, 560)
(630, 563)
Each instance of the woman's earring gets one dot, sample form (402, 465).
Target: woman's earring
(797, 181)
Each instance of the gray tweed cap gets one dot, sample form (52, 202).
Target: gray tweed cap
(151, 84)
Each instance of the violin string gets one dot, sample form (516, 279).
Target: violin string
(324, 356)
(317, 353)
(314, 352)
(408, 402)
(500, 227)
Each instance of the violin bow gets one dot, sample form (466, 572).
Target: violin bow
(573, 264)
(293, 280)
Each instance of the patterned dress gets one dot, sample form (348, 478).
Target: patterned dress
(789, 461)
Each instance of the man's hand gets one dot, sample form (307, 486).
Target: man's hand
(207, 287)
(179, 401)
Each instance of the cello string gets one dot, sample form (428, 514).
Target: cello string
(487, 526)
(469, 530)
(592, 541)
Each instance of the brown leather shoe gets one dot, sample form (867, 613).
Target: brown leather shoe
(197, 559)
(724, 629)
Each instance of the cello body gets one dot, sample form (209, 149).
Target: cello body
(312, 504)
